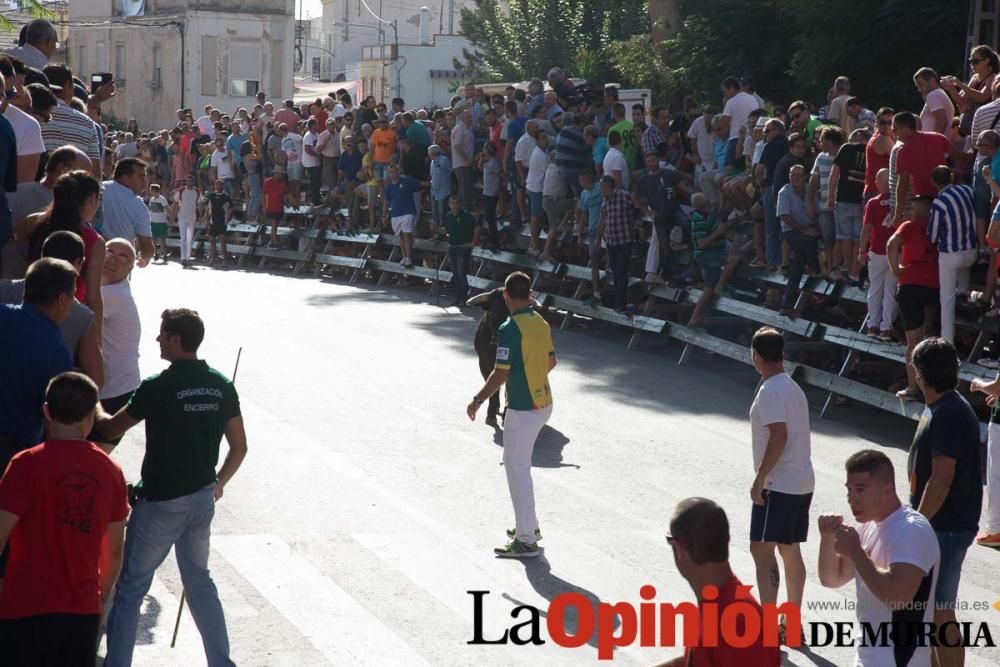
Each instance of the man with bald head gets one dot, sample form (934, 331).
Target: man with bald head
(801, 232)
(122, 330)
(37, 44)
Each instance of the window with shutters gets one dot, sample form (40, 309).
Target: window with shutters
(244, 70)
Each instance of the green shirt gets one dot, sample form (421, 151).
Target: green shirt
(460, 227)
(628, 147)
(524, 347)
(186, 409)
(702, 226)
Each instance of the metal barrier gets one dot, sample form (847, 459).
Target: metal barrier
(561, 286)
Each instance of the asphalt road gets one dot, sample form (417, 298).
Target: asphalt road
(369, 504)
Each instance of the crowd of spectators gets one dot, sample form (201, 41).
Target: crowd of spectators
(898, 201)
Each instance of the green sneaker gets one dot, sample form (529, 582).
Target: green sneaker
(511, 532)
(517, 549)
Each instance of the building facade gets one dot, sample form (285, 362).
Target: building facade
(184, 53)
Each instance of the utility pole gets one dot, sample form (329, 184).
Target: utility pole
(664, 19)
(451, 17)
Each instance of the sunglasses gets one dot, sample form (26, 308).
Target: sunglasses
(885, 122)
(976, 61)
(671, 540)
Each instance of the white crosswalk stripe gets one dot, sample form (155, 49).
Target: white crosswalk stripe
(339, 626)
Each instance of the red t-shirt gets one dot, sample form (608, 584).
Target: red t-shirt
(875, 211)
(918, 157)
(873, 163)
(65, 493)
(90, 237)
(919, 257)
(755, 655)
(274, 195)
(321, 117)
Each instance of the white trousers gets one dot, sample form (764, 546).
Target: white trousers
(993, 480)
(653, 254)
(520, 430)
(186, 228)
(953, 272)
(881, 292)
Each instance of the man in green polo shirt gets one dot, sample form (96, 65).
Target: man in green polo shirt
(187, 409)
(525, 356)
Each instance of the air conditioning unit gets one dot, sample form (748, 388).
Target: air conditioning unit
(120, 83)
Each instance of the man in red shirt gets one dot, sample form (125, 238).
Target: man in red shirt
(59, 501)
(275, 193)
(921, 152)
(699, 537)
(913, 259)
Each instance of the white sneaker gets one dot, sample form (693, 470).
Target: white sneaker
(534, 252)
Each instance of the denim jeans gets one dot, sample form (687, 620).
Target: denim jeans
(618, 259)
(439, 208)
(805, 252)
(183, 523)
(458, 257)
(772, 228)
(315, 180)
(953, 548)
(256, 195)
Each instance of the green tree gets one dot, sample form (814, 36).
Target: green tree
(31, 7)
(522, 39)
(794, 49)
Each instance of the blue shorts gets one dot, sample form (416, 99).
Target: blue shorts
(536, 208)
(848, 220)
(380, 169)
(711, 262)
(953, 548)
(295, 171)
(596, 254)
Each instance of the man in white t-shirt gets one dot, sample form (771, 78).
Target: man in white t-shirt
(122, 329)
(702, 142)
(939, 110)
(615, 165)
(312, 162)
(27, 130)
(222, 166)
(206, 123)
(783, 487)
(533, 185)
(738, 105)
(291, 144)
(893, 557)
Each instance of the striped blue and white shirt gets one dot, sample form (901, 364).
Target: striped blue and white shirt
(953, 220)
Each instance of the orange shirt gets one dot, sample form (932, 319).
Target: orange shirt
(384, 144)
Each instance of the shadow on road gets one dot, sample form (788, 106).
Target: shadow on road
(549, 586)
(548, 452)
(648, 376)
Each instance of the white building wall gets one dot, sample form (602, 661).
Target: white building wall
(363, 29)
(412, 71)
(190, 81)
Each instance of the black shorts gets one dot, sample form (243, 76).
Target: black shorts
(217, 228)
(783, 518)
(66, 640)
(913, 301)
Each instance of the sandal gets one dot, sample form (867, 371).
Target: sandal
(759, 264)
(909, 394)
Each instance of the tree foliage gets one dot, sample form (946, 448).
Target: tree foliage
(794, 49)
(30, 7)
(520, 39)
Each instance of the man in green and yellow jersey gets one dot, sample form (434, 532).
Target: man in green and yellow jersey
(524, 358)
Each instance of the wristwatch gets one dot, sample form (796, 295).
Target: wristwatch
(477, 400)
